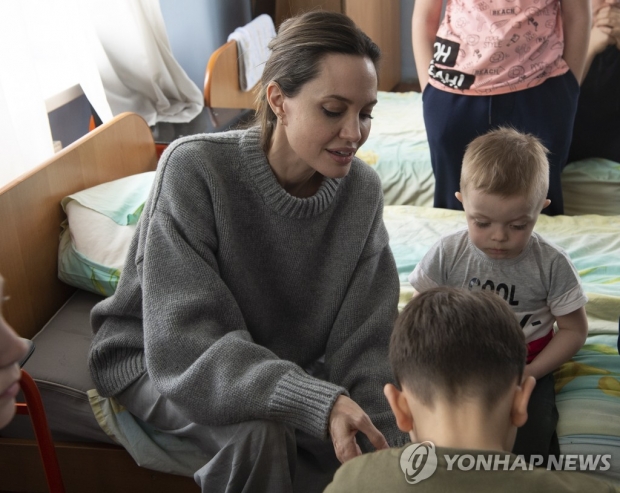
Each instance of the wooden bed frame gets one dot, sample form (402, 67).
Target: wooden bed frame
(222, 88)
(30, 215)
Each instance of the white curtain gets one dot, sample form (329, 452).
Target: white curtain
(138, 69)
(116, 50)
(45, 48)
(25, 138)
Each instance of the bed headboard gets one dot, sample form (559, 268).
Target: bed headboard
(30, 214)
(222, 88)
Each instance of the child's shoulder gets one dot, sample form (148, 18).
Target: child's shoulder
(455, 236)
(455, 240)
(449, 244)
(547, 248)
(368, 472)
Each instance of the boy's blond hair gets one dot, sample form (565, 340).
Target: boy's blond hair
(506, 162)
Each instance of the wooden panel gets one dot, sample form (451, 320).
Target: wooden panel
(380, 20)
(84, 467)
(289, 8)
(264, 7)
(30, 214)
(222, 88)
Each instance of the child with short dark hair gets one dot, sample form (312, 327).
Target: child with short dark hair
(504, 181)
(459, 359)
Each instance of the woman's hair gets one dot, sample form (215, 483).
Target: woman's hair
(457, 344)
(297, 51)
(506, 162)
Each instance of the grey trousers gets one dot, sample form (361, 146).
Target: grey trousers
(253, 456)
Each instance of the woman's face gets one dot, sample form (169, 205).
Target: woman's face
(329, 119)
(12, 349)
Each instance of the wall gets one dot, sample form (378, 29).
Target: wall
(196, 28)
(407, 64)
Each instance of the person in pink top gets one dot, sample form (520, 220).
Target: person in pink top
(497, 63)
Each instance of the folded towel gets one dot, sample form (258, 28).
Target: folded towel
(252, 40)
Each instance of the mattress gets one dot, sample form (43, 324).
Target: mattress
(588, 401)
(398, 150)
(58, 366)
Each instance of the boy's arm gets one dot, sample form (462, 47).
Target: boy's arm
(572, 333)
(576, 22)
(420, 279)
(424, 25)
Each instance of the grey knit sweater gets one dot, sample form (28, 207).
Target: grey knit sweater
(232, 286)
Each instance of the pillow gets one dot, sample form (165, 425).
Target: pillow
(96, 235)
(591, 186)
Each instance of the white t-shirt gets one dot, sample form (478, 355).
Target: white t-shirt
(539, 285)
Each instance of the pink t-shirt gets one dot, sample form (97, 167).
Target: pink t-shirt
(486, 47)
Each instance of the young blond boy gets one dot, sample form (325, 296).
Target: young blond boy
(458, 357)
(504, 181)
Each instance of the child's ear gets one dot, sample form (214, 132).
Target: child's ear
(546, 203)
(520, 401)
(458, 196)
(400, 407)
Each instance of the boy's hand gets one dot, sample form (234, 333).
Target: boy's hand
(345, 420)
(527, 372)
(572, 333)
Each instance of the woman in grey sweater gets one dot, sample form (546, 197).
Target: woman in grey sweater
(259, 253)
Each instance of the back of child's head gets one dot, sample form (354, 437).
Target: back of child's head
(457, 344)
(506, 162)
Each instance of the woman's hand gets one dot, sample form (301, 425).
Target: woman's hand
(345, 420)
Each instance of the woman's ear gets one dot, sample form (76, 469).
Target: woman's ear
(275, 98)
(400, 408)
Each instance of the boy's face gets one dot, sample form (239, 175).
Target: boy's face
(500, 226)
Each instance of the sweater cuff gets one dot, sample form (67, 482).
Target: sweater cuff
(304, 402)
